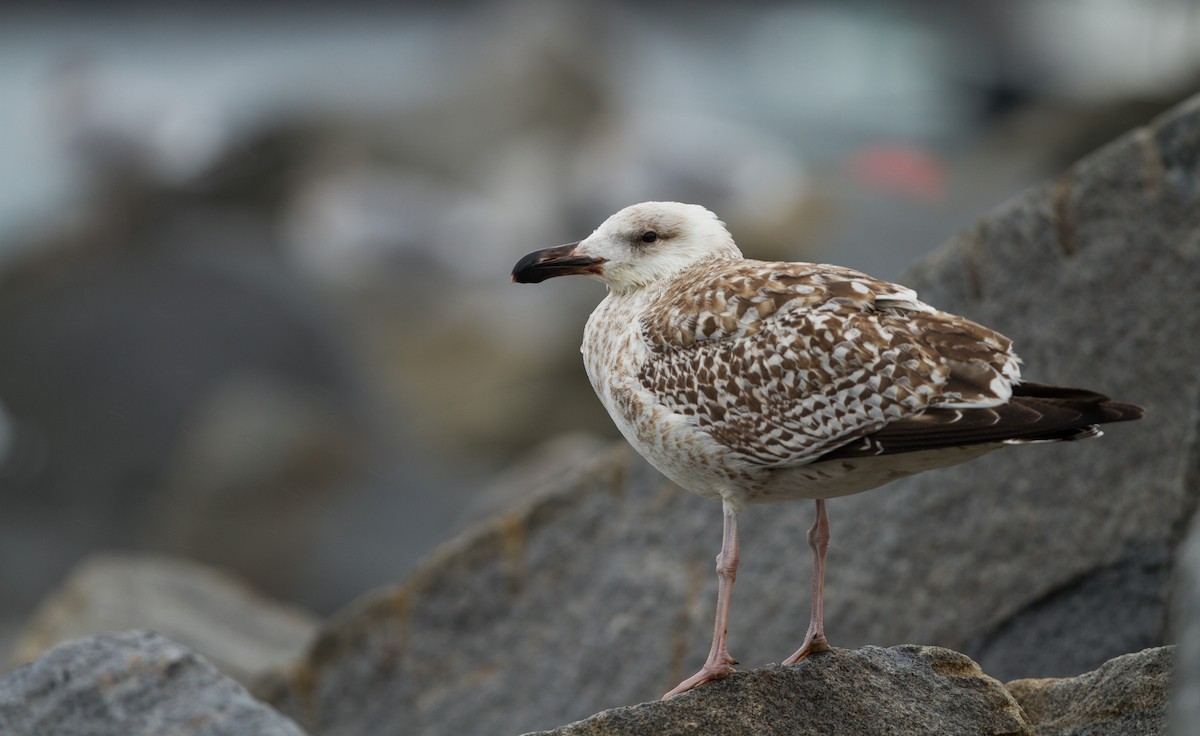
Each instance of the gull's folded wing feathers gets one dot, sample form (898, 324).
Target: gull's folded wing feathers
(784, 362)
(1036, 413)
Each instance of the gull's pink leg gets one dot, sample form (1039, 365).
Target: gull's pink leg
(719, 663)
(818, 539)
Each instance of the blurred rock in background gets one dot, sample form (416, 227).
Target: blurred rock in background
(254, 297)
(244, 634)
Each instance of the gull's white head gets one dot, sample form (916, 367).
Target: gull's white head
(638, 246)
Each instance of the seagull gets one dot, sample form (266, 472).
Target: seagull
(749, 382)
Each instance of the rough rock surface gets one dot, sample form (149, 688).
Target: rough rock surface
(543, 471)
(241, 632)
(133, 684)
(1126, 695)
(1037, 561)
(905, 689)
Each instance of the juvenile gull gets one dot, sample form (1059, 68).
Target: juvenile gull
(751, 381)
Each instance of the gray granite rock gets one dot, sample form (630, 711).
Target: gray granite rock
(1037, 561)
(133, 684)
(493, 633)
(868, 691)
(1126, 695)
(241, 632)
(545, 470)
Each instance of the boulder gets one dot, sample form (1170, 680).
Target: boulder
(241, 632)
(136, 683)
(545, 470)
(498, 631)
(1126, 695)
(905, 689)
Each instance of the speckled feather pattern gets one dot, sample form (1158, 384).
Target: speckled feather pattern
(779, 361)
(735, 375)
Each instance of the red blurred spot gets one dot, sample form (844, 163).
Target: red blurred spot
(901, 170)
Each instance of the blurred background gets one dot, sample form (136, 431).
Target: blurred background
(254, 297)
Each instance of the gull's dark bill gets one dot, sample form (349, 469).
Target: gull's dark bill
(547, 263)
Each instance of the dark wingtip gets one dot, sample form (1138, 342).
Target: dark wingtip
(1097, 406)
(1124, 412)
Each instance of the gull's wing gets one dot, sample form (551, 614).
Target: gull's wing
(1036, 413)
(786, 362)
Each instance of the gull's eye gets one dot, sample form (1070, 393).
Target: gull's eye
(649, 236)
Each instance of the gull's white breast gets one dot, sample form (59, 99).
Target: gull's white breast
(613, 354)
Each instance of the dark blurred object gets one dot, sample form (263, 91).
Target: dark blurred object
(122, 341)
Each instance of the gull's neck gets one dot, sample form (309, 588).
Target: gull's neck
(631, 289)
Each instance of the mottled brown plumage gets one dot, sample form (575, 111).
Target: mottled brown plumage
(752, 381)
(782, 363)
